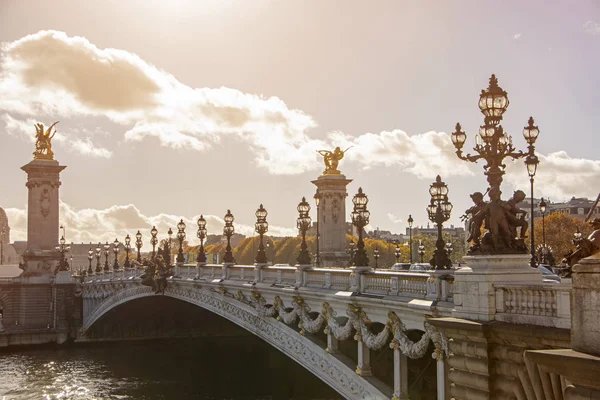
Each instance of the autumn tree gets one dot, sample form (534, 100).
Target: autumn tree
(559, 229)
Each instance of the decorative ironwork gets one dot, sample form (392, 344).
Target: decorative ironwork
(201, 258)
(360, 219)
(106, 253)
(90, 270)
(303, 224)
(410, 251)
(228, 231)
(376, 257)
(116, 249)
(180, 237)
(494, 145)
(439, 212)
(138, 245)
(127, 264)
(98, 254)
(154, 241)
(397, 253)
(62, 248)
(261, 227)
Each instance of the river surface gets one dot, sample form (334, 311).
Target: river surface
(203, 368)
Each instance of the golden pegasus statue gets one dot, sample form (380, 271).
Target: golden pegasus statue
(43, 144)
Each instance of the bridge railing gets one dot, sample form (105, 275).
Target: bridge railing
(374, 282)
(543, 304)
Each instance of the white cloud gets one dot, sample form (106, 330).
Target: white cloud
(395, 219)
(591, 27)
(77, 140)
(558, 176)
(517, 36)
(424, 155)
(93, 225)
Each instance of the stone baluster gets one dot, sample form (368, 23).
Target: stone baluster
(439, 356)
(364, 357)
(400, 373)
(332, 342)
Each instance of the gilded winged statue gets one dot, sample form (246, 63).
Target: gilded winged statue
(332, 159)
(43, 144)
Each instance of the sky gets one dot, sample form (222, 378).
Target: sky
(173, 109)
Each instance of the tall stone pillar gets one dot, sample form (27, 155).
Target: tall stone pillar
(332, 219)
(43, 182)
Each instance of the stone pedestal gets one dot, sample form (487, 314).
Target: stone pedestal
(332, 219)
(43, 182)
(474, 292)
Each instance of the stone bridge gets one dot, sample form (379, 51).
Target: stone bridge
(290, 308)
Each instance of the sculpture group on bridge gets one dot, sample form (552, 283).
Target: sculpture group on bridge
(584, 247)
(156, 273)
(332, 159)
(43, 145)
(504, 221)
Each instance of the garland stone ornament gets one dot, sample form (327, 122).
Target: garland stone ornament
(245, 313)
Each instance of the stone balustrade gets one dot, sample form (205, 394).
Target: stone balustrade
(545, 305)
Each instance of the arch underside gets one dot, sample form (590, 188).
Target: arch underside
(327, 367)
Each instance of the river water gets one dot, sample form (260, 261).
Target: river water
(202, 368)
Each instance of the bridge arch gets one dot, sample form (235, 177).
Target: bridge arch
(331, 370)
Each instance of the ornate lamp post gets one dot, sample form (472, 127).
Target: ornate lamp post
(421, 251)
(181, 237)
(127, 250)
(303, 224)
(360, 218)
(201, 259)
(261, 227)
(449, 248)
(397, 253)
(494, 145)
(439, 212)
(62, 248)
(350, 251)
(532, 162)
(154, 241)
(98, 254)
(169, 246)
(90, 258)
(228, 231)
(543, 211)
(106, 252)
(318, 255)
(376, 256)
(138, 245)
(410, 224)
(116, 251)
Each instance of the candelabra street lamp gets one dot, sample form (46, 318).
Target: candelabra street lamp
(360, 219)
(532, 162)
(116, 251)
(90, 258)
(410, 224)
(127, 250)
(261, 227)
(421, 251)
(543, 211)
(397, 253)
(303, 224)
(62, 248)
(168, 247)
(376, 257)
(181, 237)
(318, 238)
(154, 241)
(350, 251)
(138, 245)
(439, 212)
(228, 231)
(201, 258)
(494, 145)
(106, 253)
(98, 254)
(449, 248)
